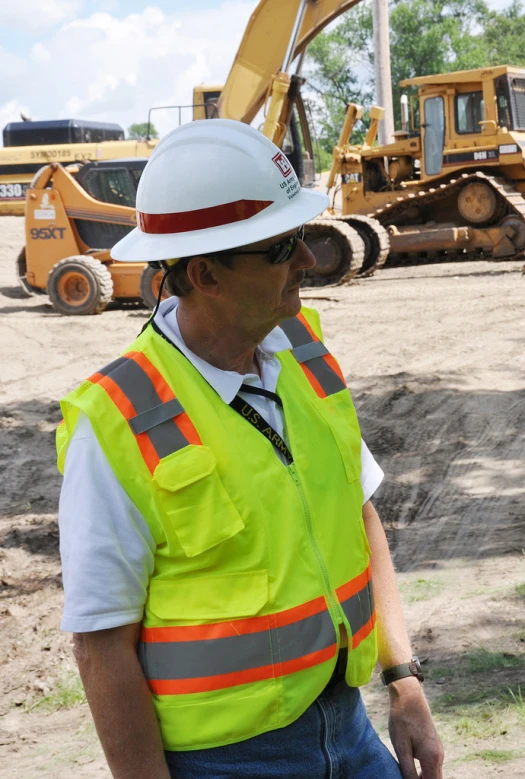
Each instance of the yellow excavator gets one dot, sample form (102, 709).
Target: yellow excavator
(266, 77)
(450, 187)
(72, 222)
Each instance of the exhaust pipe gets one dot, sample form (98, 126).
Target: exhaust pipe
(404, 113)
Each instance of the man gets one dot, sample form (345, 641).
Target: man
(218, 558)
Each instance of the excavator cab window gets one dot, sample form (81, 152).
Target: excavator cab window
(470, 111)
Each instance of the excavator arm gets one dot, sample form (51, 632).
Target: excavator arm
(270, 41)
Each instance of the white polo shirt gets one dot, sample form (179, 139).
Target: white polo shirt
(106, 545)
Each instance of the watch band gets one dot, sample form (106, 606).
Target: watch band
(413, 668)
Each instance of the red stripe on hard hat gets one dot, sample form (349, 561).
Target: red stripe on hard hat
(201, 218)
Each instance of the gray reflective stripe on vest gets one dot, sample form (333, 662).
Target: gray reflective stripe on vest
(359, 608)
(214, 657)
(139, 389)
(106, 370)
(309, 352)
(296, 332)
(155, 416)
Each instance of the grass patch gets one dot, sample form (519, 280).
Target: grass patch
(520, 590)
(493, 755)
(482, 713)
(482, 660)
(68, 693)
(420, 589)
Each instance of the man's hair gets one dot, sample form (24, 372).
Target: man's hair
(178, 283)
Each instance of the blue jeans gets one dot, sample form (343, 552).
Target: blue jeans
(333, 739)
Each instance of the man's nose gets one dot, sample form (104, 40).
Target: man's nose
(302, 257)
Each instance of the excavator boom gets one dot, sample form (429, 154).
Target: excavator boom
(263, 48)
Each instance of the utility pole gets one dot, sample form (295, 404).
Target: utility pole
(382, 69)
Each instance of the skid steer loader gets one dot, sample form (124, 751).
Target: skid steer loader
(74, 216)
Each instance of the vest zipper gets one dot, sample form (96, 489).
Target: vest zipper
(333, 603)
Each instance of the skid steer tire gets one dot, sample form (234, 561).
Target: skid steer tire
(149, 286)
(338, 249)
(21, 270)
(79, 285)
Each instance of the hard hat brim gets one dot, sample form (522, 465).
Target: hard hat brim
(144, 247)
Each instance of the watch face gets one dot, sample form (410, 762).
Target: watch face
(415, 668)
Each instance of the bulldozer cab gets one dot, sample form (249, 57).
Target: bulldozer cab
(464, 114)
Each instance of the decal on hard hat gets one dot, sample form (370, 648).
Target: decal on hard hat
(201, 218)
(282, 163)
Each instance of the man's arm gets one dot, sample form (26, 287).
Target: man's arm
(120, 702)
(411, 728)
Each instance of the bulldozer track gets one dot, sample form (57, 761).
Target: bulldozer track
(376, 240)
(348, 241)
(512, 200)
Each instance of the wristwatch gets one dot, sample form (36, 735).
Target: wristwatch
(413, 668)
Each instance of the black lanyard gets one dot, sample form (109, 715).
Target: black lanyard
(243, 408)
(259, 422)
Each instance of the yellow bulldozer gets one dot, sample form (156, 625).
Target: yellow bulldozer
(74, 216)
(451, 185)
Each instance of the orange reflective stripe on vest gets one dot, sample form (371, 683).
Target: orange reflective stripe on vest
(143, 397)
(226, 654)
(357, 599)
(318, 365)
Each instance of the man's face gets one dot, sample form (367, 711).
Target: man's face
(261, 293)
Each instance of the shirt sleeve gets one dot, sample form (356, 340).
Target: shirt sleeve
(371, 473)
(106, 546)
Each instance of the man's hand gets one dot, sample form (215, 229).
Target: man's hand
(412, 731)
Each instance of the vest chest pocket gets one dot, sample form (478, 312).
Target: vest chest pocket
(194, 501)
(339, 413)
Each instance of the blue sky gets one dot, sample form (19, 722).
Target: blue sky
(112, 60)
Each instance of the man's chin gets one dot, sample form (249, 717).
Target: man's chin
(292, 301)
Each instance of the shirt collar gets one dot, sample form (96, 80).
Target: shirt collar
(225, 383)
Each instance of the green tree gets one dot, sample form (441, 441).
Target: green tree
(139, 131)
(504, 36)
(426, 37)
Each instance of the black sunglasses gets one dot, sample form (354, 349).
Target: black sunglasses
(278, 252)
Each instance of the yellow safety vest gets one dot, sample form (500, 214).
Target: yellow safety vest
(257, 563)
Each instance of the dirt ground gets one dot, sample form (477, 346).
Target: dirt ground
(435, 358)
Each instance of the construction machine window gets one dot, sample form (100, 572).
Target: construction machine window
(434, 137)
(137, 173)
(470, 111)
(517, 86)
(502, 101)
(111, 185)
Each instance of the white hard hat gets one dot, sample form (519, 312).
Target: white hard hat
(212, 185)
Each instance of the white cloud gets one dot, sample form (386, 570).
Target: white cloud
(40, 53)
(38, 15)
(110, 69)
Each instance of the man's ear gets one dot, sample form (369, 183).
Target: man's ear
(204, 274)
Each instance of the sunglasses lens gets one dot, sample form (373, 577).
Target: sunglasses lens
(282, 251)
